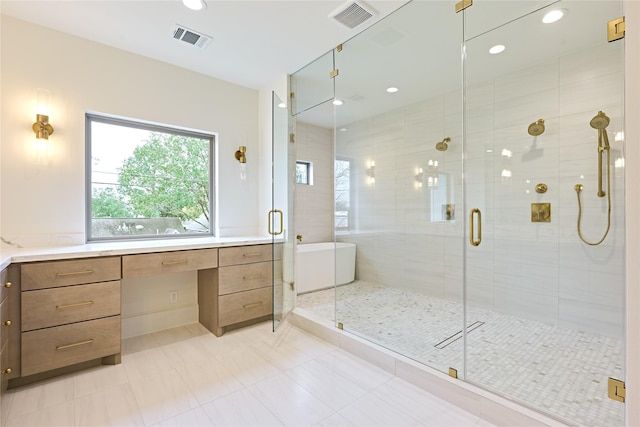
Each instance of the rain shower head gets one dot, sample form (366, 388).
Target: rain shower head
(443, 145)
(600, 121)
(536, 128)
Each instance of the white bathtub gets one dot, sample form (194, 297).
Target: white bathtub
(323, 265)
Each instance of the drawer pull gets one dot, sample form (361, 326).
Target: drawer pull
(257, 276)
(74, 273)
(252, 254)
(62, 347)
(180, 261)
(255, 304)
(77, 304)
(7, 323)
(7, 371)
(7, 285)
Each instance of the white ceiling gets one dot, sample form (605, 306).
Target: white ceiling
(254, 42)
(257, 42)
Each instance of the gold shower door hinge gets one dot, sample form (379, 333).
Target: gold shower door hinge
(617, 390)
(453, 373)
(292, 138)
(339, 47)
(333, 73)
(462, 5)
(615, 29)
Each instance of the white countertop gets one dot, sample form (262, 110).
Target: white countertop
(10, 255)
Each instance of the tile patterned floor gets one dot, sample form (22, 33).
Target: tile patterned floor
(249, 377)
(560, 371)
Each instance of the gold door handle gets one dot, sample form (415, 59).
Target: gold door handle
(8, 371)
(7, 323)
(472, 240)
(257, 276)
(271, 231)
(7, 285)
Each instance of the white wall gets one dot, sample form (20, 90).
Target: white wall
(540, 271)
(314, 203)
(44, 205)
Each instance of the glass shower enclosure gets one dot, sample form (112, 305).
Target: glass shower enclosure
(485, 152)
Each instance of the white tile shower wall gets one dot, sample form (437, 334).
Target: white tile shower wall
(314, 203)
(540, 271)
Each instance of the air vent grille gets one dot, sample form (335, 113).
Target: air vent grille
(353, 13)
(192, 37)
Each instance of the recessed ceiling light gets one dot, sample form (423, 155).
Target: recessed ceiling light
(337, 102)
(392, 89)
(195, 4)
(554, 15)
(499, 48)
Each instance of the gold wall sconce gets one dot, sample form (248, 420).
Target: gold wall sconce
(420, 177)
(42, 128)
(241, 157)
(371, 172)
(241, 154)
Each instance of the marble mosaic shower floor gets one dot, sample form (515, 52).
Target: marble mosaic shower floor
(560, 371)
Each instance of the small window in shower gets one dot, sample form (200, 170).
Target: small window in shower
(304, 172)
(343, 187)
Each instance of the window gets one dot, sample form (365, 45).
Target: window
(147, 181)
(342, 193)
(304, 172)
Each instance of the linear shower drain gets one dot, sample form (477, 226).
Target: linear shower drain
(455, 337)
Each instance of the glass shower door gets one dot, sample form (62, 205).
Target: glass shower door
(399, 135)
(548, 305)
(281, 226)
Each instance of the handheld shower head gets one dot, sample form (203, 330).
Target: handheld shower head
(600, 121)
(443, 145)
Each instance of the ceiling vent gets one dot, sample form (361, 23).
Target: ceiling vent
(194, 38)
(353, 13)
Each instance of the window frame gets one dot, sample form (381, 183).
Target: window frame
(91, 117)
(351, 193)
(309, 166)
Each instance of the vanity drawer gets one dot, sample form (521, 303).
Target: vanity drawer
(41, 275)
(46, 349)
(168, 262)
(241, 306)
(58, 306)
(243, 277)
(245, 254)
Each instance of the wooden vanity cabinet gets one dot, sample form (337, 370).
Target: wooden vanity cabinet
(240, 290)
(70, 313)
